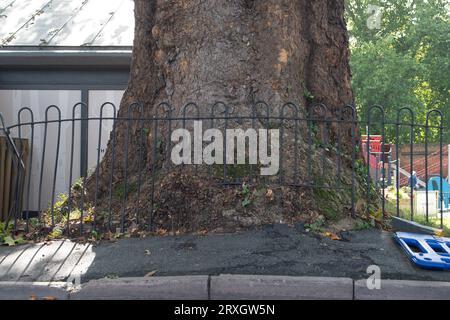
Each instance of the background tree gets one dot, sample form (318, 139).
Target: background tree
(404, 61)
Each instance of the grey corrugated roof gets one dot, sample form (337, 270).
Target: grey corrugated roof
(92, 23)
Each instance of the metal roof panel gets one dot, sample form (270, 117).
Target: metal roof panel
(120, 29)
(18, 15)
(46, 25)
(66, 22)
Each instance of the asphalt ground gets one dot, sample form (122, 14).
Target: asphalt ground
(271, 250)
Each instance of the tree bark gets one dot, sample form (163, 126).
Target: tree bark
(240, 51)
(236, 51)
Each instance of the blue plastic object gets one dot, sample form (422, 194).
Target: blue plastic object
(426, 251)
(434, 183)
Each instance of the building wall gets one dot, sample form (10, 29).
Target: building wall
(11, 101)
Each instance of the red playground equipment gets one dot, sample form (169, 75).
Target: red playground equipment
(375, 153)
(377, 156)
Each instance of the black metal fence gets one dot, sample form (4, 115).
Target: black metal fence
(318, 149)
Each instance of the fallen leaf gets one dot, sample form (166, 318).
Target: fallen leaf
(332, 236)
(151, 273)
(161, 232)
(439, 233)
(147, 252)
(269, 194)
(49, 298)
(202, 232)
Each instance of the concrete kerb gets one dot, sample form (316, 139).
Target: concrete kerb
(149, 288)
(222, 287)
(251, 287)
(403, 290)
(12, 290)
(403, 225)
(228, 287)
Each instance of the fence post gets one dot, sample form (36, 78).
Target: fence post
(17, 160)
(411, 148)
(381, 109)
(448, 166)
(30, 162)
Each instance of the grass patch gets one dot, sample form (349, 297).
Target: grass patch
(434, 222)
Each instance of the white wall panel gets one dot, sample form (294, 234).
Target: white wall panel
(38, 100)
(96, 99)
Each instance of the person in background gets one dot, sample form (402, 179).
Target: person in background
(412, 181)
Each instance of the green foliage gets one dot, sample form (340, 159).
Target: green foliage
(6, 237)
(435, 222)
(6, 229)
(403, 63)
(403, 192)
(306, 93)
(246, 195)
(405, 212)
(60, 209)
(362, 225)
(10, 241)
(55, 233)
(95, 235)
(361, 176)
(77, 185)
(316, 226)
(330, 200)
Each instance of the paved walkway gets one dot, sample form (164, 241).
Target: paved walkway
(272, 250)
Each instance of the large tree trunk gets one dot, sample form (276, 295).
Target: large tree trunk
(239, 52)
